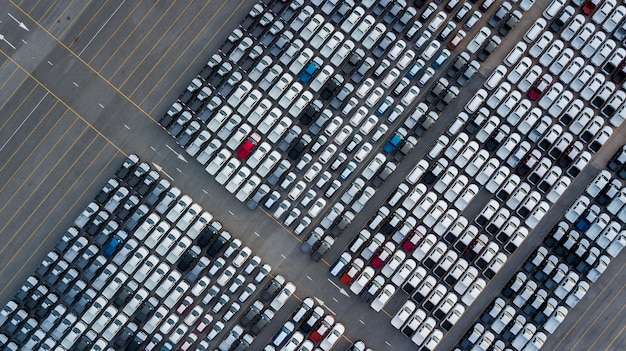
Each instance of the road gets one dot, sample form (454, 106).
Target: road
(84, 86)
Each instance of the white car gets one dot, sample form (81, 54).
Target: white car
(383, 297)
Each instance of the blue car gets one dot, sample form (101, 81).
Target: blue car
(441, 59)
(308, 72)
(583, 222)
(392, 145)
(111, 247)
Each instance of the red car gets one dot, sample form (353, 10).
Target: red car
(383, 255)
(348, 276)
(620, 73)
(246, 148)
(476, 247)
(539, 88)
(322, 329)
(571, 153)
(590, 6)
(411, 242)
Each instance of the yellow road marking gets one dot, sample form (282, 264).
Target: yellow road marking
(153, 46)
(41, 140)
(53, 230)
(33, 192)
(120, 27)
(26, 99)
(195, 59)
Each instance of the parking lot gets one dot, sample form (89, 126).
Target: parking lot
(168, 157)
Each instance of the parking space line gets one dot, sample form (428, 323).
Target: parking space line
(136, 46)
(8, 78)
(38, 3)
(120, 66)
(601, 314)
(26, 220)
(41, 140)
(194, 59)
(33, 6)
(52, 4)
(130, 13)
(25, 181)
(101, 27)
(67, 105)
(609, 284)
(619, 314)
(20, 105)
(620, 333)
(73, 40)
(14, 91)
(163, 55)
(72, 53)
(53, 230)
(23, 121)
(32, 152)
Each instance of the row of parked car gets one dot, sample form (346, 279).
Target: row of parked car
(301, 142)
(308, 328)
(558, 274)
(143, 267)
(549, 169)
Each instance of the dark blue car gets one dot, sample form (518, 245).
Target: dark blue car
(111, 247)
(308, 72)
(392, 145)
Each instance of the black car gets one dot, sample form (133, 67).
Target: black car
(309, 113)
(207, 235)
(353, 61)
(185, 262)
(491, 46)
(510, 22)
(458, 65)
(561, 20)
(299, 146)
(499, 15)
(217, 245)
(329, 89)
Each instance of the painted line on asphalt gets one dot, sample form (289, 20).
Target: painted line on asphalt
(101, 27)
(24, 121)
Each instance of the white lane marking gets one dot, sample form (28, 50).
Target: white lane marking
(19, 23)
(362, 322)
(101, 105)
(75, 84)
(387, 342)
(102, 26)
(24, 121)
(24, 41)
(257, 234)
(204, 191)
(309, 277)
(178, 169)
(283, 256)
(127, 127)
(50, 63)
(335, 299)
